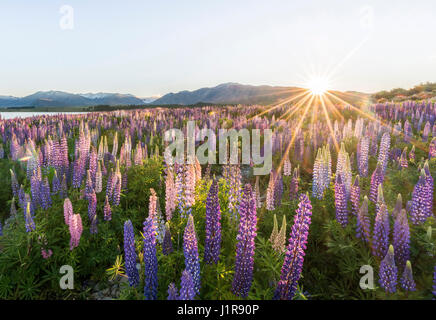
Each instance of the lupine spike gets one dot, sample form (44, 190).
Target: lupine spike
(190, 249)
(388, 272)
(130, 254)
(407, 282)
(293, 263)
(150, 260)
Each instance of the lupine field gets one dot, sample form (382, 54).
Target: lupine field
(347, 192)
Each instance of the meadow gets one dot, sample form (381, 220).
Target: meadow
(347, 211)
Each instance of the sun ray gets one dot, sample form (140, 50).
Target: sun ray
(329, 124)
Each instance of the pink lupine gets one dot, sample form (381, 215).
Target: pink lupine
(75, 226)
(68, 210)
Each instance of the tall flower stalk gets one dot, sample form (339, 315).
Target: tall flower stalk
(293, 263)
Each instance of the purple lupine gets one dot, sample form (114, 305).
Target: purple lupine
(363, 149)
(44, 194)
(376, 180)
(363, 222)
(401, 239)
(172, 292)
(92, 212)
(245, 246)
(380, 199)
(398, 206)
(388, 272)
(30, 224)
(35, 186)
(341, 202)
(89, 186)
(13, 209)
(190, 250)
(420, 198)
(293, 263)
(429, 182)
(380, 238)
(278, 190)
(107, 210)
(406, 281)
(56, 184)
(212, 244)
(14, 184)
(130, 254)
(116, 196)
(187, 286)
(167, 245)
(150, 260)
(355, 196)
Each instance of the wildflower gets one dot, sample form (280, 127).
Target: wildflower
(388, 272)
(172, 292)
(293, 263)
(341, 202)
(363, 222)
(130, 254)
(150, 260)
(75, 228)
(420, 198)
(355, 196)
(187, 284)
(406, 281)
(245, 246)
(107, 210)
(68, 210)
(190, 250)
(401, 238)
(380, 239)
(167, 245)
(212, 243)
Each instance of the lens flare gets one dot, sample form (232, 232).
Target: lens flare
(318, 86)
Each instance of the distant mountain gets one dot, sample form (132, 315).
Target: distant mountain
(229, 93)
(65, 99)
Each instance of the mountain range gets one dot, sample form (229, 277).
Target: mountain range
(65, 99)
(226, 93)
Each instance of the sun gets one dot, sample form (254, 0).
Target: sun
(318, 86)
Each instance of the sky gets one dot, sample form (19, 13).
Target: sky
(150, 48)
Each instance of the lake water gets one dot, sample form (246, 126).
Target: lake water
(11, 115)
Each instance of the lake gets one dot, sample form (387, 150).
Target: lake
(11, 115)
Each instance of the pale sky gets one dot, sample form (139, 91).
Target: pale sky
(151, 48)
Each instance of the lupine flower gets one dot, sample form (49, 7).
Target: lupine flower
(117, 190)
(92, 212)
(376, 180)
(401, 238)
(107, 210)
(75, 227)
(388, 272)
(355, 196)
(150, 260)
(293, 188)
(278, 238)
(362, 159)
(130, 254)
(363, 222)
(14, 184)
(341, 202)
(432, 149)
(98, 179)
(420, 198)
(45, 197)
(30, 224)
(293, 263)
(383, 155)
(380, 238)
(212, 244)
(187, 284)
(170, 194)
(245, 246)
(56, 184)
(152, 204)
(406, 281)
(46, 253)
(398, 206)
(172, 292)
(287, 171)
(278, 190)
(403, 159)
(190, 250)
(270, 193)
(68, 210)
(167, 245)
(13, 209)
(380, 199)
(412, 154)
(429, 182)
